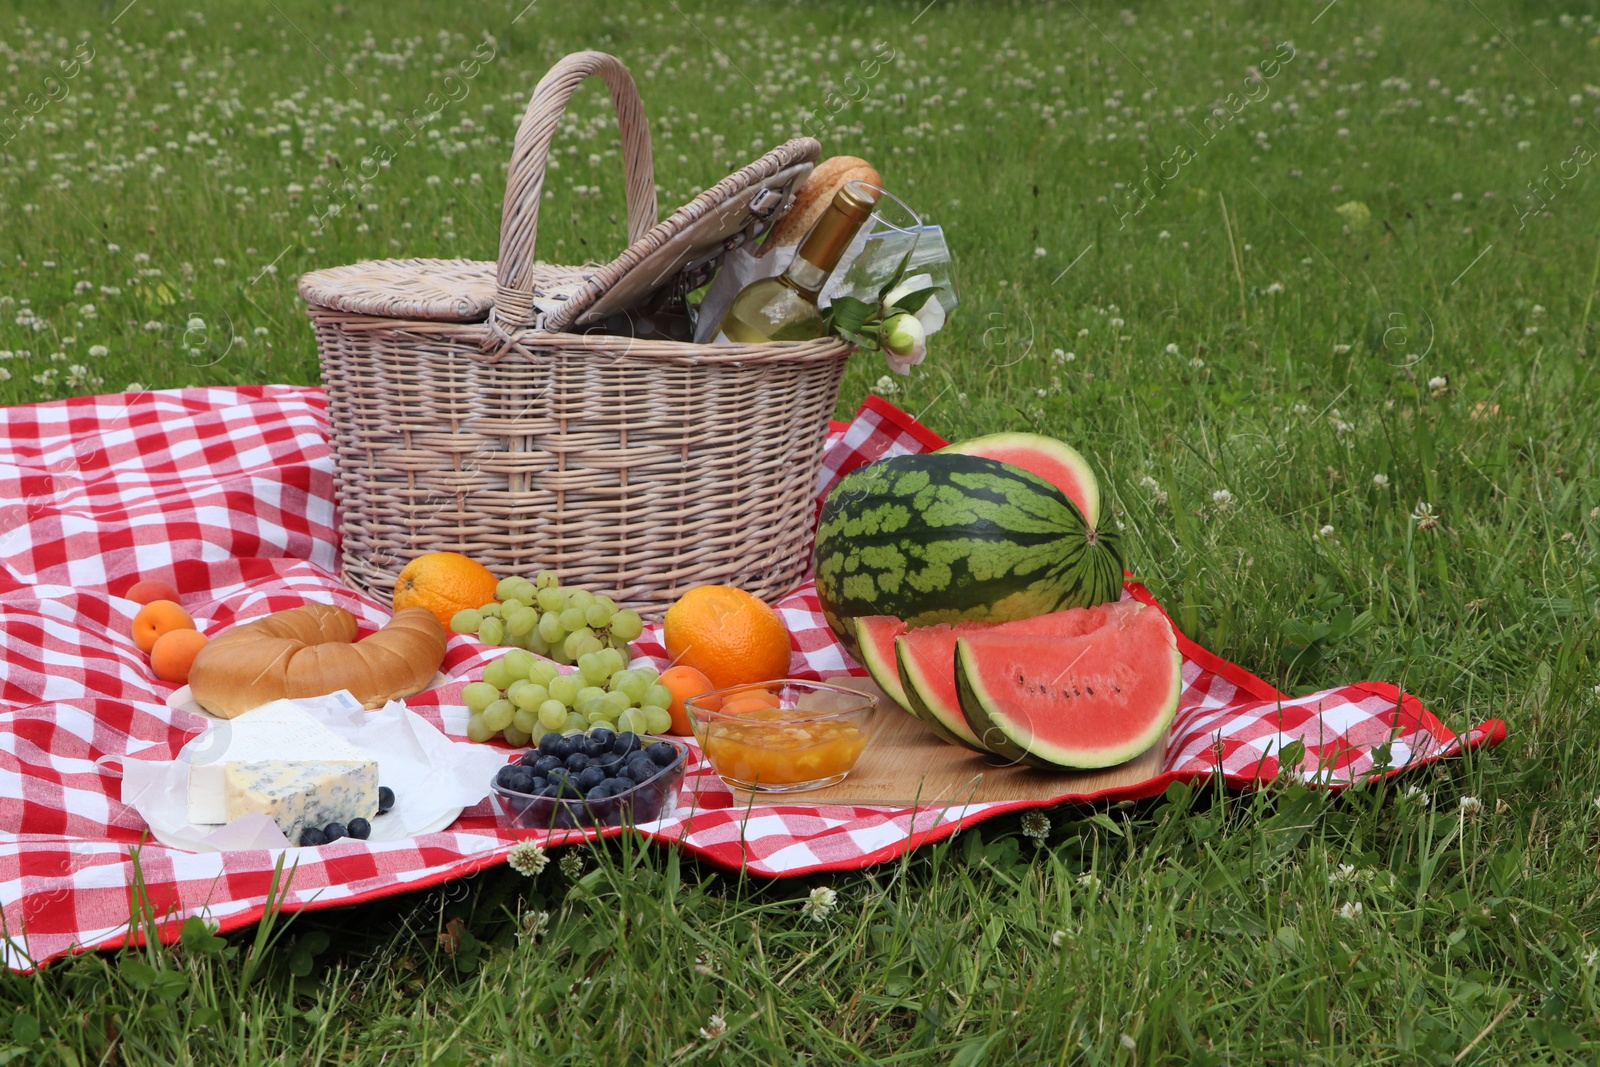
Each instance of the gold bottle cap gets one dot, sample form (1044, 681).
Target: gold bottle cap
(837, 227)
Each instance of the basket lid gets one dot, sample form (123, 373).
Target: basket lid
(681, 251)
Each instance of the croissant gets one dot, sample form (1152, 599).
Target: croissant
(312, 651)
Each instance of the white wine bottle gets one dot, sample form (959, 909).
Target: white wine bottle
(785, 308)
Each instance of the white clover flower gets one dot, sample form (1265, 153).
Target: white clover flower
(1350, 909)
(1423, 515)
(434, 179)
(1058, 938)
(819, 905)
(5, 375)
(534, 926)
(1039, 253)
(1088, 880)
(1172, 350)
(153, 327)
(1116, 324)
(1197, 363)
(1326, 533)
(195, 323)
(260, 331)
(1036, 824)
(1420, 795)
(1538, 309)
(527, 858)
(885, 386)
(1274, 288)
(714, 1028)
(1437, 384)
(1163, 236)
(1084, 332)
(1346, 872)
(1470, 806)
(1222, 498)
(77, 374)
(219, 262)
(572, 864)
(1380, 480)
(1591, 957)
(133, 387)
(1341, 350)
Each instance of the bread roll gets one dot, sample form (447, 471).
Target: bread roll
(826, 179)
(312, 651)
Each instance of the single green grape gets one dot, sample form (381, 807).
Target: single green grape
(596, 616)
(635, 687)
(616, 703)
(550, 628)
(479, 695)
(498, 716)
(588, 642)
(491, 610)
(619, 679)
(658, 720)
(522, 621)
(510, 607)
(506, 588)
(565, 688)
(492, 632)
(551, 599)
(517, 738)
(607, 603)
(553, 715)
(596, 713)
(589, 693)
(572, 619)
(618, 643)
(627, 625)
(479, 730)
(526, 721)
(525, 591)
(635, 720)
(546, 580)
(603, 724)
(499, 675)
(516, 686)
(613, 660)
(466, 621)
(582, 598)
(573, 645)
(536, 644)
(659, 695)
(650, 674)
(542, 672)
(519, 662)
(576, 723)
(528, 695)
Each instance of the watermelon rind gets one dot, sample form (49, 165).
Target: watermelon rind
(1008, 734)
(948, 723)
(875, 637)
(944, 537)
(1011, 448)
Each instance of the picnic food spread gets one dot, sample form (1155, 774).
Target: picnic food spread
(312, 650)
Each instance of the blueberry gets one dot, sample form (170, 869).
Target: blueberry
(522, 781)
(577, 762)
(624, 784)
(546, 764)
(567, 789)
(359, 829)
(536, 787)
(600, 792)
(625, 742)
(642, 768)
(548, 744)
(569, 745)
(557, 774)
(502, 777)
(335, 830)
(313, 836)
(600, 741)
(385, 799)
(551, 790)
(588, 778)
(663, 754)
(530, 757)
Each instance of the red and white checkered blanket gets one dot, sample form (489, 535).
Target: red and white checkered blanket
(228, 494)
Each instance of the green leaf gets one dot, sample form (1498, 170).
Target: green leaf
(198, 938)
(24, 1029)
(894, 279)
(849, 313)
(912, 302)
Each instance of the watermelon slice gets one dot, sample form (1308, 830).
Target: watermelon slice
(1056, 462)
(925, 657)
(1092, 700)
(875, 636)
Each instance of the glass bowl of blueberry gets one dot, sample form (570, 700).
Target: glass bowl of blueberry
(596, 779)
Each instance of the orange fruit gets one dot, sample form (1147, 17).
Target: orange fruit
(730, 636)
(758, 698)
(686, 683)
(156, 618)
(151, 589)
(173, 654)
(740, 705)
(444, 583)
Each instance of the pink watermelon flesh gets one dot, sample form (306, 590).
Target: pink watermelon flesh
(875, 636)
(1056, 462)
(1094, 699)
(926, 659)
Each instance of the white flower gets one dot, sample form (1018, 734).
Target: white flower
(1326, 533)
(1275, 287)
(1470, 806)
(1380, 480)
(885, 386)
(434, 179)
(1591, 957)
(527, 858)
(1341, 350)
(1222, 499)
(153, 327)
(88, 311)
(219, 262)
(1197, 363)
(1420, 795)
(1089, 881)
(905, 343)
(819, 905)
(77, 374)
(1538, 309)
(1084, 332)
(1423, 515)
(1058, 938)
(1350, 909)
(1172, 350)
(1438, 384)
(99, 350)
(714, 1028)
(1346, 872)
(534, 925)
(1163, 236)
(1064, 357)
(1039, 253)
(1116, 323)
(1127, 1041)
(1036, 824)
(133, 387)
(195, 323)
(260, 331)
(5, 375)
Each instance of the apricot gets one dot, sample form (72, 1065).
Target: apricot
(686, 683)
(152, 589)
(156, 618)
(173, 654)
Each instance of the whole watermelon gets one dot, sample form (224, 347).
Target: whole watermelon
(946, 537)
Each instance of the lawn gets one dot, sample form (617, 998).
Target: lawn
(1314, 287)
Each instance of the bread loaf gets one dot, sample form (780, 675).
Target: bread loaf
(816, 194)
(312, 651)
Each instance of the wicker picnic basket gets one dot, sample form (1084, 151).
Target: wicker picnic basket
(467, 415)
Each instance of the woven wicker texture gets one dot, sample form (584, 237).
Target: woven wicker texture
(634, 468)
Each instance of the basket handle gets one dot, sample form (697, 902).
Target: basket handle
(519, 216)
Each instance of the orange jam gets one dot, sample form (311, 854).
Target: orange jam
(762, 747)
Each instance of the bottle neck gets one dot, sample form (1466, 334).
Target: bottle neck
(824, 246)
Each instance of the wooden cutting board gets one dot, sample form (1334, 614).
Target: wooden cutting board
(905, 765)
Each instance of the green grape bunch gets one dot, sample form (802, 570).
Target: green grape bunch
(548, 620)
(521, 698)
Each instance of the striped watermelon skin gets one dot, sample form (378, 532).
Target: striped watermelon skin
(945, 537)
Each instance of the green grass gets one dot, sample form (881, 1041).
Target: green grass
(1240, 335)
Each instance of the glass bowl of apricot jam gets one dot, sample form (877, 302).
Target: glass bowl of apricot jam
(783, 736)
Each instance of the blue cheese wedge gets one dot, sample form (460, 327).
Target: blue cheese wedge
(296, 794)
(279, 761)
